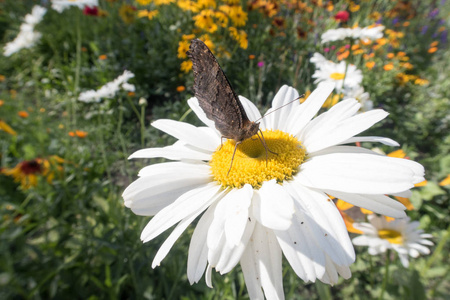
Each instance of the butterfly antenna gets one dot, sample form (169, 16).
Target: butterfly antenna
(281, 107)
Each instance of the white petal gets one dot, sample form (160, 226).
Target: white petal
(252, 277)
(193, 104)
(236, 212)
(308, 109)
(360, 173)
(273, 206)
(278, 119)
(175, 168)
(195, 200)
(198, 250)
(208, 276)
(326, 121)
(343, 149)
(262, 259)
(379, 204)
(251, 110)
(188, 133)
(300, 249)
(325, 221)
(148, 195)
(323, 136)
(373, 139)
(170, 241)
(175, 152)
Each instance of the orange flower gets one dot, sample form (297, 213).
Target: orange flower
(405, 24)
(446, 181)
(388, 67)
(251, 56)
(23, 114)
(103, 57)
(405, 202)
(434, 44)
(370, 65)
(390, 55)
(78, 133)
(181, 88)
(432, 49)
(2, 102)
(2, 78)
(343, 55)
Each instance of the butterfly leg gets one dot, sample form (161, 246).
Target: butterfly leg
(263, 141)
(221, 142)
(232, 158)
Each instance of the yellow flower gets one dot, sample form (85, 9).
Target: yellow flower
(375, 16)
(206, 3)
(331, 101)
(127, 13)
(205, 21)
(6, 128)
(144, 2)
(163, 2)
(144, 13)
(421, 81)
(238, 16)
(188, 37)
(183, 47)
(222, 18)
(186, 66)
(188, 5)
(354, 7)
(240, 36)
(27, 172)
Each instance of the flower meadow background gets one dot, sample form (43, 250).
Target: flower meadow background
(80, 85)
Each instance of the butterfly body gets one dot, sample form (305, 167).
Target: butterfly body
(217, 98)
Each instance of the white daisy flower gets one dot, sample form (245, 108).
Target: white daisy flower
(357, 33)
(342, 75)
(27, 37)
(264, 209)
(361, 96)
(400, 235)
(109, 90)
(60, 5)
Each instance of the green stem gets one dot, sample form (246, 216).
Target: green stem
(102, 148)
(142, 121)
(122, 140)
(386, 274)
(77, 71)
(436, 252)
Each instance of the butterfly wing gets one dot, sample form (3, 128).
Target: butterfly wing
(214, 92)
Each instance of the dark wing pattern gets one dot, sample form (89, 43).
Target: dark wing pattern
(214, 92)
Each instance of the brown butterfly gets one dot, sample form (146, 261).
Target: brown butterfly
(218, 100)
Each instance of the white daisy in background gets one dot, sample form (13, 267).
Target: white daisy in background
(357, 33)
(264, 209)
(342, 75)
(109, 90)
(400, 235)
(361, 96)
(27, 37)
(60, 5)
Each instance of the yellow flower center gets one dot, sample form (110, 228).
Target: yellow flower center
(392, 236)
(250, 164)
(337, 76)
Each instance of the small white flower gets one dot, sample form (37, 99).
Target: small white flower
(60, 5)
(341, 75)
(264, 209)
(27, 37)
(108, 90)
(400, 235)
(361, 96)
(357, 33)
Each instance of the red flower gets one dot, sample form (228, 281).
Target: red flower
(342, 16)
(90, 11)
